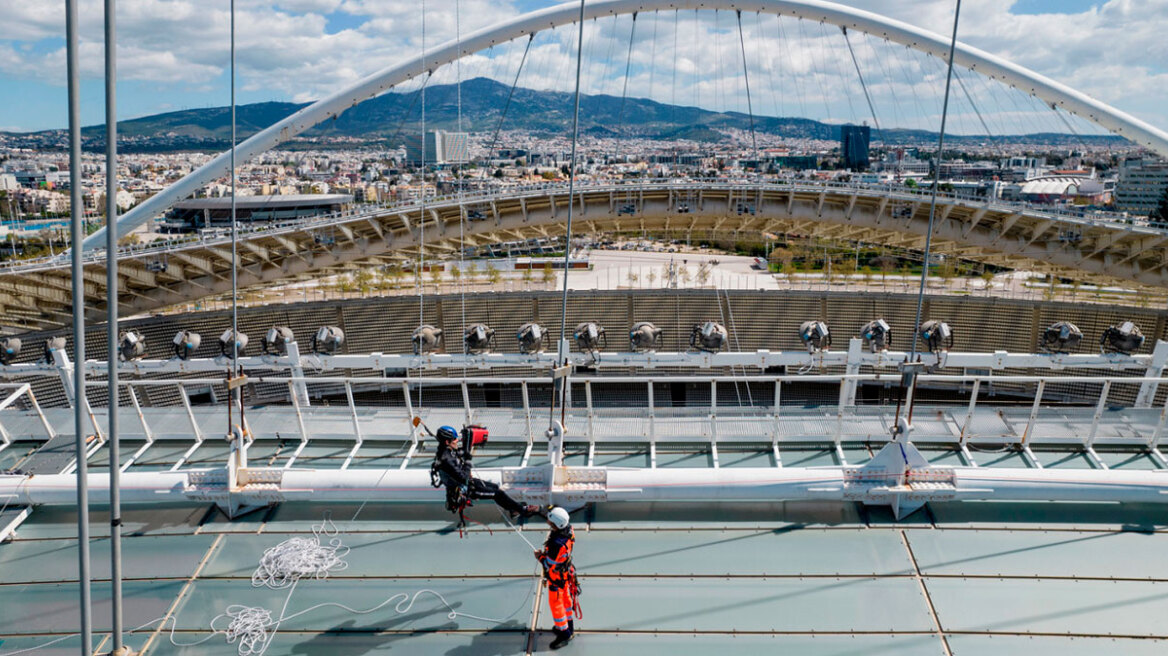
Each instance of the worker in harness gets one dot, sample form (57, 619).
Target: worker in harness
(560, 575)
(452, 469)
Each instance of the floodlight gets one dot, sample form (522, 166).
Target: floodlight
(1060, 337)
(185, 344)
(937, 335)
(9, 349)
(132, 346)
(815, 335)
(1123, 338)
(530, 338)
(644, 336)
(708, 336)
(328, 340)
(478, 338)
(590, 337)
(53, 344)
(230, 342)
(276, 340)
(878, 335)
(426, 339)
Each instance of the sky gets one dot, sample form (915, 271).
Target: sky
(174, 54)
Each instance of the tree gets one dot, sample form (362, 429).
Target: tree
(1160, 214)
(988, 278)
(549, 274)
(703, 273)
(493, 274)
(911, 183)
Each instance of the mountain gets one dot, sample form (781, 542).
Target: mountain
(391, 117)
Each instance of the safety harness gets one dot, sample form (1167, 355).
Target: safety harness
(564, 573)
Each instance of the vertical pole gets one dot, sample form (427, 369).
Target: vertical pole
(111, 272)
(237, 393)
(562, 356)
(77, 234)
(936, 183)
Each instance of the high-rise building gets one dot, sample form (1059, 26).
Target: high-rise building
(854, 140)
(1141, 185)
(442, 148)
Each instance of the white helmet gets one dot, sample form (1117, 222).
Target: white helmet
(558, 517)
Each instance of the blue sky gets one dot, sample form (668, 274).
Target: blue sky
(173, 54)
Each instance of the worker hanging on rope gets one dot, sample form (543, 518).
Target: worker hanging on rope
(452, 469)
(560, 575)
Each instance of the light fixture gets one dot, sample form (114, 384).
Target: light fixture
(937, 335)
(590, 337)
(229, 343)
(1124, 338)
(186, 343)
(815, 335)
(478, 338)
(708, 336)
(426, 339)
(1060, 337)
(878, 335)
(530, 338)
(53, 344)
(328, 340)
(9, 350)
(131, 346)
(276, 340)
(644, 336)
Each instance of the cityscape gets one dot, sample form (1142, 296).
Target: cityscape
(593, 326)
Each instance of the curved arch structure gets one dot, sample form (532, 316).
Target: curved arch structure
(1052, 92)
(1010, 235)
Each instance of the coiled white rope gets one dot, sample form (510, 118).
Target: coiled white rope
(252, 628)
(286, 563)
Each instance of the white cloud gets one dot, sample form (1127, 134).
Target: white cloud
(1115, 52)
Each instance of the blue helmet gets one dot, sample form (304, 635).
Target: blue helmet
(447, 434)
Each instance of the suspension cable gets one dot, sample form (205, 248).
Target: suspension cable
(563, 345)
(863, 85)
(628, 64)
(936, 184)
(510, 94)
(746, 77)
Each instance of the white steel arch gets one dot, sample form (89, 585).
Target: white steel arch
(1054, 93)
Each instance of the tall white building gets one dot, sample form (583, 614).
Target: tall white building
(1141, 185)
(442, 148)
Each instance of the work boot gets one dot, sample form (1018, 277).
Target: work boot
(562, 638)
(571, 626)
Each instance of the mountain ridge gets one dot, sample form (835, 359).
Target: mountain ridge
(388, 119)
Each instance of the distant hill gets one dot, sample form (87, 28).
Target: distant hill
(389, 118)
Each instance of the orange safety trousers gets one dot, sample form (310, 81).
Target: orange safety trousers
(561, 604)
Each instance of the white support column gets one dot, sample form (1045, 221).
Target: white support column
(190, 413)
(1154, 441)
(145, 429)
(1099, 407)
(466, 414)
(652, 427)
(775, 423)
(855, 356)
(65, 370)
(1147, 393)
(358, 438)
(591, 427)
(300, 388)
(413, 429)
(966, 433)
(1028, 434)
(714, 422)
(527, 413)
(41, 414)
